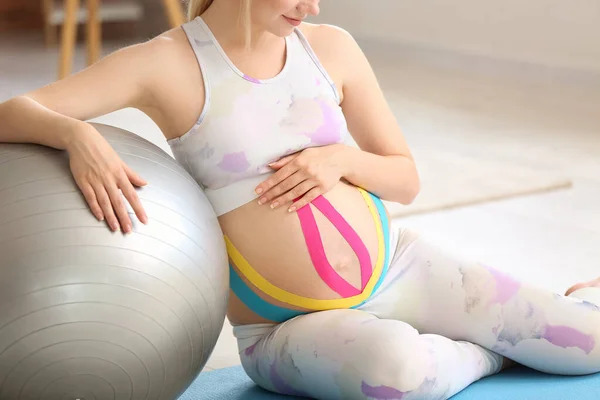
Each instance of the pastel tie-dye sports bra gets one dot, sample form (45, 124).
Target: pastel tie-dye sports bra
(248, 123)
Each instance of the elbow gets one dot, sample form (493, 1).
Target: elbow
(409, 189)
(411, 192)
(406, 193)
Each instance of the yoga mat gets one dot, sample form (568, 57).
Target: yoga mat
(517, 383)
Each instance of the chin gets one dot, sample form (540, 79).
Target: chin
(282, 31)
(284, 28)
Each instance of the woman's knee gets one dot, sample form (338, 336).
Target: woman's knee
(281, 358)
(349, 351)
(395, 360)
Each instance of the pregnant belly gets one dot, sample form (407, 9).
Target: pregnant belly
(330, 254)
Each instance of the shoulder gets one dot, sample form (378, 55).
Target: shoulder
(338, 51)
(169, 47)
(154, 57)
(169, 61)
(171, 81)
(330, 39)
(154, 49)
(173, 40)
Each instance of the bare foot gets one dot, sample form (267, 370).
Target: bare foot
(592, 283)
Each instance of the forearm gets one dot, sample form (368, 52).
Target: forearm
(392, 178)
(23, 120)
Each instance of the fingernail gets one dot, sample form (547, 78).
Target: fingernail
(259, 190)
(262, 201)
(275, 204)
(292, 209)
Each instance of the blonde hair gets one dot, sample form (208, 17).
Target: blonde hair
(198, 7)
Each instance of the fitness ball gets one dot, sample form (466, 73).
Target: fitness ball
(91, 314)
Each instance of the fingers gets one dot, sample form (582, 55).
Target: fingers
(297, 192)
(283, 187)
(120, 209)
(106, 205)
(275, 179)
(306, 199)
(283, 161)
(134, 178)
(90, 197)
(133, 199)
(107, 183)
(131, 178)
(106, 202)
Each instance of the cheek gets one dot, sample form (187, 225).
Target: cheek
(271, 10)
(284, 6)
(269, 13)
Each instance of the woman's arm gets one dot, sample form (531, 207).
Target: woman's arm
(384, 164)
(158, 77)
(390, 177)
(54, 115)
(139, 76)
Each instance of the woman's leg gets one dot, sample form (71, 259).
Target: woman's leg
(351, 354)
(437, 292)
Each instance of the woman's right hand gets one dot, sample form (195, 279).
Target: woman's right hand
(104, 179)
(152, 76)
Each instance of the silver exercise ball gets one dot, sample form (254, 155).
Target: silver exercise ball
(90, 314)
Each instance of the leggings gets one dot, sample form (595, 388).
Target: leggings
(436, 325)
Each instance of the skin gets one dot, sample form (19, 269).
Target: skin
(592, 283)
(161, 78)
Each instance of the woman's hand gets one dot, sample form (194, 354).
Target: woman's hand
(303, 176)
(102, 177)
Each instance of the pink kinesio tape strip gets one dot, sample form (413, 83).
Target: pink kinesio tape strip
(314, 243)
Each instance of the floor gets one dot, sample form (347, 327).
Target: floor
(552, 239)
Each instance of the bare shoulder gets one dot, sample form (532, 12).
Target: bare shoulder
(176, 96)
(336, 49)
(155, 76)
(329, 38)
(172, 59)
(173, 41)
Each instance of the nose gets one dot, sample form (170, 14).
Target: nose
(309, 7)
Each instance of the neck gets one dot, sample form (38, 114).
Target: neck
(224, 17)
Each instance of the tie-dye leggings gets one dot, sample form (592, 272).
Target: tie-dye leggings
(437, 325)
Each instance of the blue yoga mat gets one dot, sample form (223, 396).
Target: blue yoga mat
(514, 384)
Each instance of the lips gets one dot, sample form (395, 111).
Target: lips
(294, 22)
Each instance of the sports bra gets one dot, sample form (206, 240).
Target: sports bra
(247, 123)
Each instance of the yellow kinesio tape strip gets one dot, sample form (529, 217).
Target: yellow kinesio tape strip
(305, 302)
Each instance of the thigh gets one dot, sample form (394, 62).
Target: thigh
(324, 355)
(442, 293)
(350, 354)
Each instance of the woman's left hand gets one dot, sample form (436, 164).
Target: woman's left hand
(303, 176)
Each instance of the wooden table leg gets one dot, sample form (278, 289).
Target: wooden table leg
(174, 12)
(69, 36)
(49, 29)
(94, 31)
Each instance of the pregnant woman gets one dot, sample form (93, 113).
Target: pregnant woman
(327, 301)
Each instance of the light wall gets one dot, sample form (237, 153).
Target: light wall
(562, 33)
